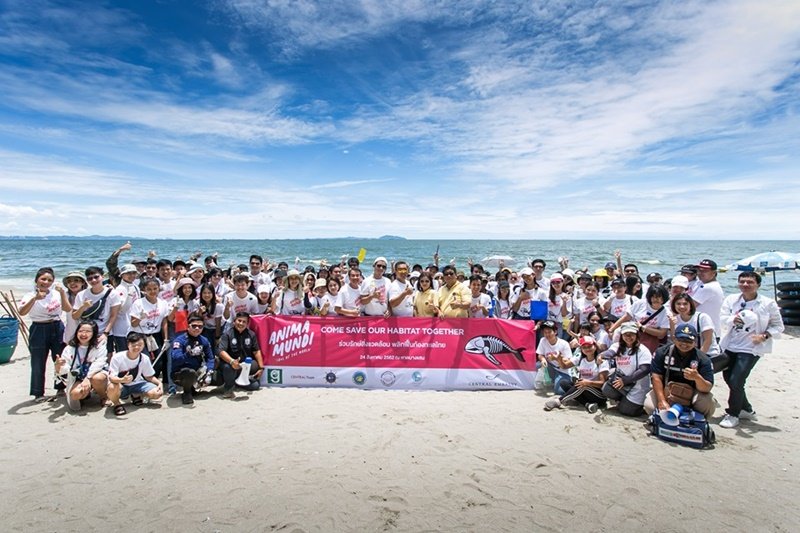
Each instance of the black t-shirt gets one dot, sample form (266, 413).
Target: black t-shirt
(239, 345)
(667, 358)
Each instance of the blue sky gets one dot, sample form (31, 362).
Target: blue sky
(470, 119)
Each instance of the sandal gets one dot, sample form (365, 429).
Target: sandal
(137, 401)
(119, 410)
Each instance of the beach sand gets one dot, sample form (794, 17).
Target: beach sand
(351, 460)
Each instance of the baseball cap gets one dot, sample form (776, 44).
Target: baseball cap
(686, 332)
(707, 264)
(556, 277)
(568, 273)
(527, 271)
(587, 339)
(652, 275)
(128, 269)
(680, 281)
(548, 324)
(628, 327)
(610, 264)
(617, 281)
(379, 259)
(688, 269)
(320, 283)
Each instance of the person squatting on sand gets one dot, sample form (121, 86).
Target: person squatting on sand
(626, 332)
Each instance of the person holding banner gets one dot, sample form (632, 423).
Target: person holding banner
(425, 299)
(235, 346)
(453, 299)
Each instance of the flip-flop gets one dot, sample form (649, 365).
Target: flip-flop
(119, 410)
(137, 401)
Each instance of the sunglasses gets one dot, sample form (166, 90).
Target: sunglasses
(195, 326)
(94, 277)
(380, 266)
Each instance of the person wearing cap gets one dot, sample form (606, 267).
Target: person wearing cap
(558, 303)
(190, 352)
(290, 300)
(263, 300)
(690, 272)
(619, 303)
(319, 303)
(239, 300)
(592, 373)
(236, 345)
(374, 290)
(197, 273)
(75, 282)
(551, 352)
(401, 291)
(453, 300)
(654, 277)
(629, 362)
(127, 293)
(678, 285)
(523, 295)
(750, 322)
(681, 362)
(708, 294)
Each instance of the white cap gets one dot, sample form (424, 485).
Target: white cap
(527, 271)
(680, 281)
(381, 258)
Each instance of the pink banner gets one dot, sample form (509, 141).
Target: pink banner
(489, 353)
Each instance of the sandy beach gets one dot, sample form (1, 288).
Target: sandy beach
(350, 460)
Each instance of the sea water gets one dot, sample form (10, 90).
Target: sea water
(19, 259)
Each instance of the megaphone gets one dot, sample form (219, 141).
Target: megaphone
(244, 376)
(672, 416)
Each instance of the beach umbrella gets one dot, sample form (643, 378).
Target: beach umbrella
(771, 261)
(494, 260)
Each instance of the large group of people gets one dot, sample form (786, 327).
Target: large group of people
(607, 336)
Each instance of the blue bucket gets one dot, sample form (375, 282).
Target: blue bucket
(9, 330)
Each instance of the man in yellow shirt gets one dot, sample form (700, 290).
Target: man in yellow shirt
(453, 298)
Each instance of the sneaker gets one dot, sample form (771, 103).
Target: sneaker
(551, 404)
(748, 415)
(729, 421)
(229, 395)
(591, 407)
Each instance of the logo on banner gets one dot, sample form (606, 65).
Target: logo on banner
(275, 376)
(490, 346)
(416, 377)
(330, 377)
(359, 378)
(388, 378)
(291, 340)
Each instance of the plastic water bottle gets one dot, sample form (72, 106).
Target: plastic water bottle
(491, 308)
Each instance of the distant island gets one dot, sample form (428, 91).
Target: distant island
(69, 238)
(391, 238)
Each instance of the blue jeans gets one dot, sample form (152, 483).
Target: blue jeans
(561, 380)
(736, 376)
(46, 339)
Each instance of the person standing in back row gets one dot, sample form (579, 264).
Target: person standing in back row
(707, 294)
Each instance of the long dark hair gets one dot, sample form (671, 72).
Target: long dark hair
(212, 305)
(634, 348)
(630, 284)
(74, 342)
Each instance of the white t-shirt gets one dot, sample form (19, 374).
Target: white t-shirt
(246, 304)
(111, 301)
(77, 356)
(549, 351)
(482, 299)
(640, 310)
(128, 293)
(709, 297)
(179, 304)
(590, 370)
(349, 298)
(139, 367)
(701, 322)
(379, 286)
(262, 278)
(211, 321)
(167, 290)
(406, 306)
(502, 309)
(537, 295)
(329, 299)
(583, 308)
(151, 315)
(289, 302)
(47, 309)
(628, 363)
(619, 306)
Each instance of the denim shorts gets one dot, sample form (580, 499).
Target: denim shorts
(136, 389)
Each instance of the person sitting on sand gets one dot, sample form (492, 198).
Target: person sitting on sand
(235, 346)
(88, 360)
(629, 381)
(190, 352)
(592, 375)
(551, 351)
(131, 374)
(681, 362)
